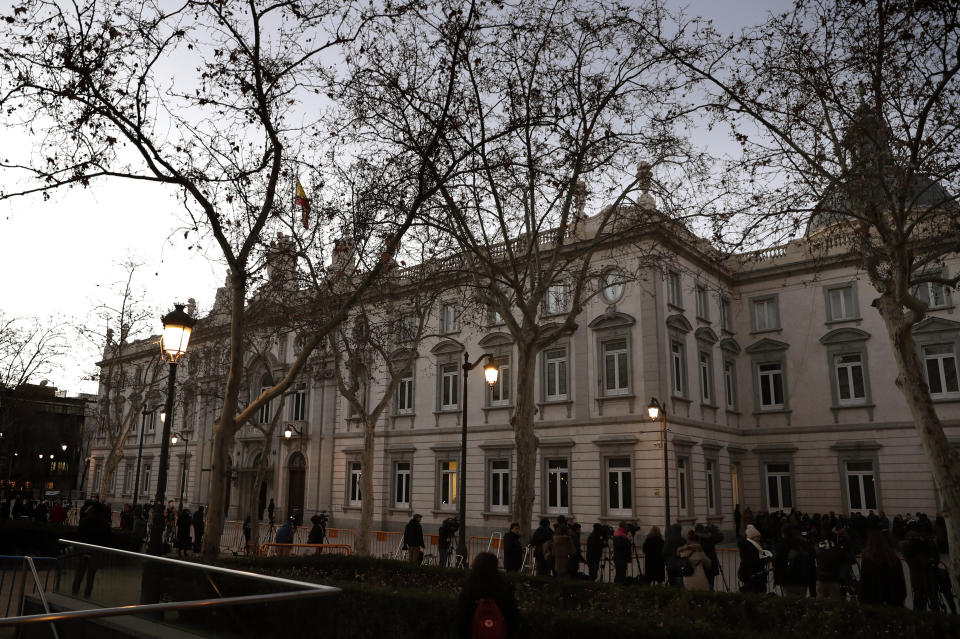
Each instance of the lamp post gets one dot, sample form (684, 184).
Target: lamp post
(490, 372)
(292, 430)
(177, 326)
(657, 411)
(183, 467)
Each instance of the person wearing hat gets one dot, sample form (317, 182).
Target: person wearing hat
(413, 539)
(752, 572)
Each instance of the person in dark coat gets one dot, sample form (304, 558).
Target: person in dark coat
(653, 551)
(486, 582)
(563, 550)
(920, 553)
(596, 543)
(247, 533)
(184, 521)
(445, 536)
(317, 533)
(513, 549)
(198, 526)
(622, 553)
(752, 572)
(541, 536)
(413, 539)
(271, 511)
(285, 534)
(670, 545)
(881, 575)
(708, 537)
(91, 529)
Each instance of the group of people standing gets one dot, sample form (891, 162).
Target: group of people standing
(19, 507)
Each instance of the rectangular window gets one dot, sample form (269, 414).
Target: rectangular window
(407, 328)
(616, 367)
(128, 476)
(354, 495)
(449, 320)
(299, 409)
(556, 298)
(850, 385)
(861, 488)
(145, 480)
(619, 486)
(97, 475)
(499, 393)
(449, 386)
(771, 385)
(493, 317)
(779, 492)
(674, 290)
(712, 483)
(678, 366)
(934, 295)
(703, 304)
(152, 422)
(263, 416)
(682, 485)
(766, 316)
(706, 377)
(405, 394)
(841, 303)
(402, 485)
(730, 384)
(558, 485)
(555, 362)
(941, 364)
(448, 485)
(500, 485)
(726, 314)
(113, 481)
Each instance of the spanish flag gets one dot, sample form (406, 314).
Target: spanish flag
(300, 199)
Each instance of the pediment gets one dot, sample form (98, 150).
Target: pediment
(446, 346)
(706, 334)
(612, 319)
(845, 336)
(496, 339)
(767, 345)
(679, 322)
(935, 325)
(730, 345)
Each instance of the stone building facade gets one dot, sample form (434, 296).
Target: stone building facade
(774, 369)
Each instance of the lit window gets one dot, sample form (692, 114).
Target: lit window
(448, 485)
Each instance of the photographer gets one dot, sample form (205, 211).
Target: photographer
(622, 552)
(834, 567)
(708, 537)
(448, 529)
(596, 543)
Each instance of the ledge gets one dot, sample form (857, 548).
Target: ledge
(555, 442)
(736, 450)
(773, 449)
(848, 446)
(353, 450)
(498, 407)
(684, 442)
(445, 446)
(615, 440)
(487, 514)
(400, 448)
(398, 511)
(448, 513)
(708, 444)
(497, 444)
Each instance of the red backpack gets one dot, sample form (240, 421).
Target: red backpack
(488, 621)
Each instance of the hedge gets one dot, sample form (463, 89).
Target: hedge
(382, 595)
(39, 539)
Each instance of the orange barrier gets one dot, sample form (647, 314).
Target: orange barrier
(382, 543)
(298, 550)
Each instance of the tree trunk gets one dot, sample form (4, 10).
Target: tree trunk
(249, 507)
(524, 437)
(366, 484)
(110, 465)
(944, 461)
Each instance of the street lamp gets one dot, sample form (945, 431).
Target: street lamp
(183, 468)
(657, 411)
(177, 326)
(491, 373)
(63, 447)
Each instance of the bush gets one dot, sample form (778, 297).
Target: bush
(396, 598)
(39, 539)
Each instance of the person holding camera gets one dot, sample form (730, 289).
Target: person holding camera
(448, 529)
(622, 553)
(834, 567)
(596, 542)
(693, 563)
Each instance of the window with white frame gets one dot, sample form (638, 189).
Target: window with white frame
(683, 484)
(449, 318)
(674, 289)
(851, 389)
(713, 502)
(449, 386)
(861, 487)
(705, 363)
(730, 384)
(770, 379)
(558, 485)
(933, 294)
(779, 486)
(678, 359)
(405, 394)
(263, 415)
(555, 374)
(97, 474)
(941, 365)
(128, 476)
(619, 486)
(841, 303)
(448, 485)
(766, 315)
(499, 393)
(298, 411)
(726, 314)
(703, 302)
(556, 301)
(616, 367)
(401, 484)
(494, 318)
(147, 473)
(355, 477)
(499, 485)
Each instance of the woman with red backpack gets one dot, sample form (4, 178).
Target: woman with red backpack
(487, 608)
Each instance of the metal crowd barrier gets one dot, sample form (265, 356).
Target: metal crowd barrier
(17, 580)
(382, 543)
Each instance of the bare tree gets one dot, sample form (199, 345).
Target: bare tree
(29, 349)
(847, 113)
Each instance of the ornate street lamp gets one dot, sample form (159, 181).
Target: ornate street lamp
(658, 412)
(491, 372)
(177, 327)
(176, 437)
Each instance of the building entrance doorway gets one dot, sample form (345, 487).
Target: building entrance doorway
(295, 486)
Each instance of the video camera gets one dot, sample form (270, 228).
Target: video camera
(632, 528)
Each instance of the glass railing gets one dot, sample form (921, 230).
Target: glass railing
(121, 593)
